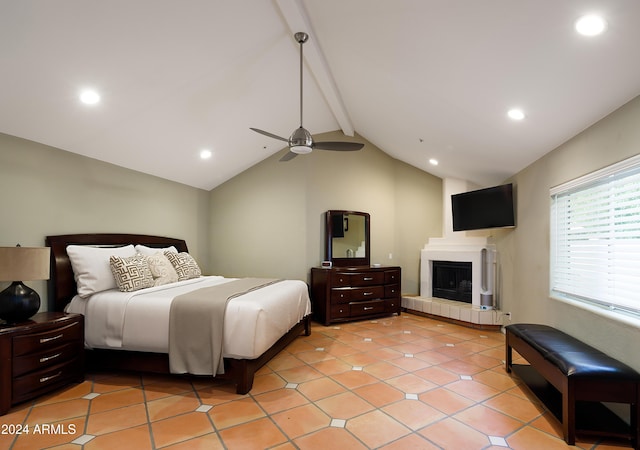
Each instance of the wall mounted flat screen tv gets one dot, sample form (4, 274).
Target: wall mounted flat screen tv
(484, 208)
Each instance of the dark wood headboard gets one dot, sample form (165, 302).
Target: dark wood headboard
(62, 285)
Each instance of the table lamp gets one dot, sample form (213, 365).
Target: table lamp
(19, 302)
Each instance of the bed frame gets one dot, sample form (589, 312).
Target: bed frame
(62, 288)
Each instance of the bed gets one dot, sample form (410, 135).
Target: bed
(258, 323)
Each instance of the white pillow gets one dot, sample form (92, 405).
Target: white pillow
(148, 251)
(91, 267)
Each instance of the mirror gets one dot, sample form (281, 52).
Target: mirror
(347, 238)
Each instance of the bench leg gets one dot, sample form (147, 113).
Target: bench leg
(508, 357)
(569, 412)
(635, 419)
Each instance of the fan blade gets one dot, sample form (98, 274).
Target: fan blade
(338, 146)
(288, 157)
(271, 135)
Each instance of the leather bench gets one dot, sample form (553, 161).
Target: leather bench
(578, 371)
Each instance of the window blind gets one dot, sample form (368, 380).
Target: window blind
(595, 237)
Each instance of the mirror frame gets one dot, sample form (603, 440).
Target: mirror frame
(345, 262)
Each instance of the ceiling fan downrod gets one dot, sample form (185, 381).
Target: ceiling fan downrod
(300, 141)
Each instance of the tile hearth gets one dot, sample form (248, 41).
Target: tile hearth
(453, 310)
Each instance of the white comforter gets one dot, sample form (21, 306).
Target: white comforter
(139, 320)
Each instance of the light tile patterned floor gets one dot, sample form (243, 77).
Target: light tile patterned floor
(403, 382)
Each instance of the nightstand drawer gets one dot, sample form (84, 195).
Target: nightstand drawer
(26, 386)
(358, 278)
(41, 360)
(363, 308)
(38, 342)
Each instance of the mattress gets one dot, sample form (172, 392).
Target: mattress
(139, 321)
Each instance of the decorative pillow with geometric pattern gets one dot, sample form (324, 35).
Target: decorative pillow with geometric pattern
(186, 267)
(131, 273)
(162, 270)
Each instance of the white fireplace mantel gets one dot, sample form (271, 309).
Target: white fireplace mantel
(463, 249)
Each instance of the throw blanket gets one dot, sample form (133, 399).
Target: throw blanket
(196, 322)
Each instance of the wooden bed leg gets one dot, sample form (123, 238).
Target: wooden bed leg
(245, 385)
(307, 326)
(244, 380)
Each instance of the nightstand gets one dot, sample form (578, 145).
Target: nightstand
(40, 355)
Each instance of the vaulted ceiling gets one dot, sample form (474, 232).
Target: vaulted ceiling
(420, 79)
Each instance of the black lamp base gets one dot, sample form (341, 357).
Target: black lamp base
(18, 302)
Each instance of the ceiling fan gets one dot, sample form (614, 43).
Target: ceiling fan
(300, 142)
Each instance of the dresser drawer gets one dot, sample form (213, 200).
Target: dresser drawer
(49, 357)
(346, 295)
(340, 311)
(364, 308)
(392, 291)
(358, 278)
(368, 293)
(392, 276)
(46, 340)
(393, 305)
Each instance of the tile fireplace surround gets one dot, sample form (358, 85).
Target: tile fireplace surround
(462, 249)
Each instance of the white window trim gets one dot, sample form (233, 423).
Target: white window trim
(630, 318)
(621, 166)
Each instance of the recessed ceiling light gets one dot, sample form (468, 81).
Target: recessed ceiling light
(433, 162)
(516, 114)
(205, 154)
(591, 25)
(89, 97)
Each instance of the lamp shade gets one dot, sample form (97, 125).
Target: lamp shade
(24, 263)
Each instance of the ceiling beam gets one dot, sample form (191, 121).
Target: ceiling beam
(297, 19)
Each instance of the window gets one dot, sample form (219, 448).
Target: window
(595, 238)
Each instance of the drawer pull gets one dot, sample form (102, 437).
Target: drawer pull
(367, 308)
(367, 293)
(45, 379)
(45, 340)
(368, 278)
(49, 358)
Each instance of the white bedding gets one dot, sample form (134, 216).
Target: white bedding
(139, 321)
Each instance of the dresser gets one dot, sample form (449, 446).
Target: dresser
(341, 294)
(40, 355)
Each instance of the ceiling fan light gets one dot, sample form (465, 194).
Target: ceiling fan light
(300, 149)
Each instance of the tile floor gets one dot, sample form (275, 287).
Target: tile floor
(404, 382)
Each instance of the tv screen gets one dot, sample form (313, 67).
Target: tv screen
(485, 208)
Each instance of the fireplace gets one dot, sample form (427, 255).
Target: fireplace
(452, 280)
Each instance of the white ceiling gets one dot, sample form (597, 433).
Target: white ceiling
(419, 79)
